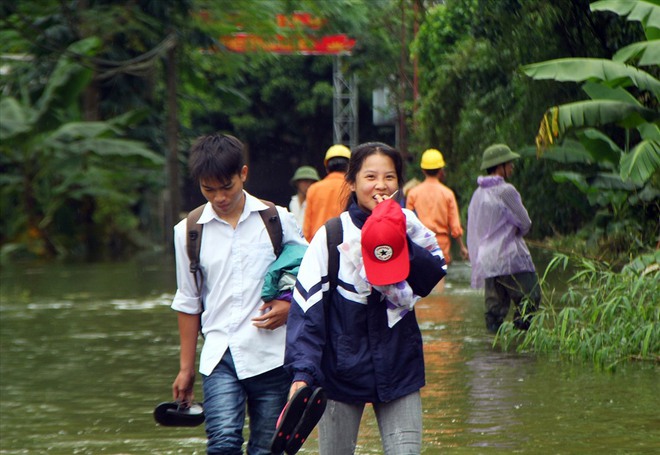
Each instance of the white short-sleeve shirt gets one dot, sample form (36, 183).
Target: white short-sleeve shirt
(234, 263)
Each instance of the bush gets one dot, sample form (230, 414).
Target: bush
(605, 316)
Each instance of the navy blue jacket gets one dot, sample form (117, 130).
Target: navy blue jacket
(353, 354)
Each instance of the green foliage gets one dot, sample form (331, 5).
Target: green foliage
(641, 162)
(644, 11)
(618, 96)
(605, 316)
(58, 170)
(610, 73)
(647, 53)
(282, 105)
(473, 94)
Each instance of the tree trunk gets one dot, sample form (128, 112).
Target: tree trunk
(172, 134)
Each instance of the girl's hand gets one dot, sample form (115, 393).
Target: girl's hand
(380, 198)
(295, 386)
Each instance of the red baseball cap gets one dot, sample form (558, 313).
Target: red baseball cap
(384, 245)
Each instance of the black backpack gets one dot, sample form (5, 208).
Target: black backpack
(335, 235)
(269, 216)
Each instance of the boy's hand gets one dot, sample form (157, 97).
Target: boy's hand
(182, 388)
(275, 314)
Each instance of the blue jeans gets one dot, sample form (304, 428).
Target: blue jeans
(399, 422)
(225, 399)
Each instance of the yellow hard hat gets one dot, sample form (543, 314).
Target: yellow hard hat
(432, 159)
(337, 150)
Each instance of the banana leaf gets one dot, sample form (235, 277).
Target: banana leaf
(109, 147)
(647, 51)
(14, 118)
(598, 91)
(601, 112)
(610, 73)
(610, 181)
(641, 162)
(81, 130)
(68, 79)
(600, 147)
(649, 132)
(577, 179)
(569, 151)
(645, 11)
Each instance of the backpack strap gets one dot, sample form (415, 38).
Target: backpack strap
(335, 235)
(194, 244)
(273, 224)
(269, 216)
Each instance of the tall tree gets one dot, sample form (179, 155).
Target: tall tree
(54, 166)
(473, 93)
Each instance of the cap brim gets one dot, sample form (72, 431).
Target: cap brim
(500, 160)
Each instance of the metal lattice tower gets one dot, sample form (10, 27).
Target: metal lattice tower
(345, 106)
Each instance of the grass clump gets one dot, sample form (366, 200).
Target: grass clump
(604, 316)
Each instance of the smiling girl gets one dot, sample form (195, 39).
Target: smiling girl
(366, 346)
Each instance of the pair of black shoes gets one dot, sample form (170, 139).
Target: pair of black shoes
(298, 419)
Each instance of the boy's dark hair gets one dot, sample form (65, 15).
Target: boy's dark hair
(216, 156)
(337, 164)
(492, 169)
(431, 172)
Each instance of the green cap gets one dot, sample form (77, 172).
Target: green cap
(497, 154)
(305, 173)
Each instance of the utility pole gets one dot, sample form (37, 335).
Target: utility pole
(344, 106)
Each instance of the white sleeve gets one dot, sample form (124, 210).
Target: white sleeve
(187, 298)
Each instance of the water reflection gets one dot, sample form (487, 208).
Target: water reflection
(88, 351)
(494, 397)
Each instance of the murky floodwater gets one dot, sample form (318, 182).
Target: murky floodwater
(87, 351)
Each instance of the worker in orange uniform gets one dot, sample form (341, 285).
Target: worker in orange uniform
(327, 198)
(435, 204)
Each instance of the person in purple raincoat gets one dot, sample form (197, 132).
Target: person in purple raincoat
(501, 262)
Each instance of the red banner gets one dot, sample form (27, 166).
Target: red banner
(300, 19)
(325, 45)
(293, 44)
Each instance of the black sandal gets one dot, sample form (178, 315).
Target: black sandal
(174, 414)
(289, 418)
(313, 413)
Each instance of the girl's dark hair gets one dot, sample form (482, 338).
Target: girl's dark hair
(362, 151)
(216, 156)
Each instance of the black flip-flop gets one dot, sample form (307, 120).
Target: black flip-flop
(289, 418)
(313, 413)
(173, 414)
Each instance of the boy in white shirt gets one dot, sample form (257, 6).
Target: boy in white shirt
(243, 352)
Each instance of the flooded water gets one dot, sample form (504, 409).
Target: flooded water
(87, 351)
